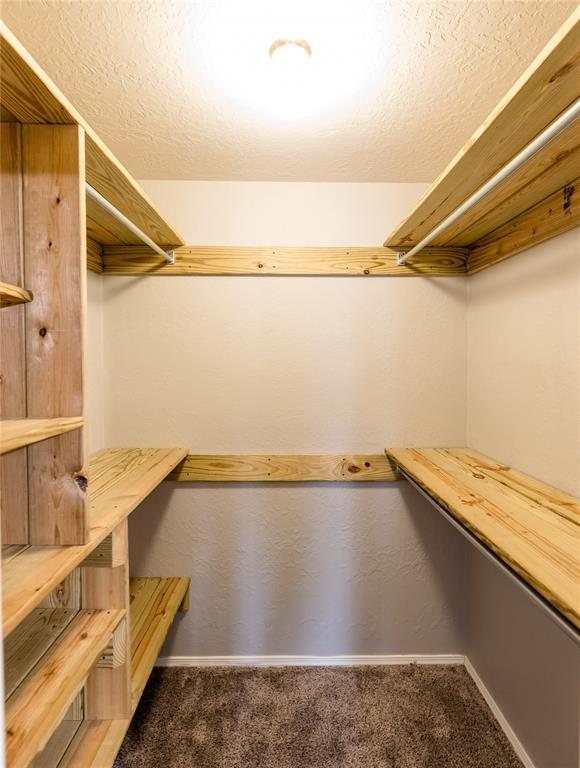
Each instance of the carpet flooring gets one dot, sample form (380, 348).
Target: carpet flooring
(314, 717)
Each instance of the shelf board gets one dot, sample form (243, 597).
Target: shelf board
(532, 527)
(16, 433)
(40, 702)
(119, 480)
(31, 97)
(13, 294)
(154, 604)
(543, 92)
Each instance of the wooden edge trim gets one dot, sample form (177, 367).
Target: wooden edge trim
(284, 468)
(555, 215)
(438, 261)
(94, 256)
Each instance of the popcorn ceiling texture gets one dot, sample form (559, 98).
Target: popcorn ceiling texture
(140, 74)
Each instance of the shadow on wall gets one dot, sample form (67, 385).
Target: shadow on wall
(304, 569)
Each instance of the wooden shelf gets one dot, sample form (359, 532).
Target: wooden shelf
(154, 604)
(31, 97)
(37, 706)
(119, 480)
(13, 294)
(542, 198)
(532, 527)
(16, 433)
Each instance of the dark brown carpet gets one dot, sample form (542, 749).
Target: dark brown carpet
(314, 717)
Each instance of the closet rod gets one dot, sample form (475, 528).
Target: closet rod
(561, 122)
(169, 256)
(563, 623)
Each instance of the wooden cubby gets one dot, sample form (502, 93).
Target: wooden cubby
(73, 669)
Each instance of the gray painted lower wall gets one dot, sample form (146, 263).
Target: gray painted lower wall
(309, 569)
(531, 668)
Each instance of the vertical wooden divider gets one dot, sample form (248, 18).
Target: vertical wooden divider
(13, 466)
(105, 584)
(55, 271)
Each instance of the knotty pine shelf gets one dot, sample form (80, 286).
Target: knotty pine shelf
(37, 705)
(11, 295)
(16, 433)
(530, 526)
(536, 202)
(119, 480)
(154, 604)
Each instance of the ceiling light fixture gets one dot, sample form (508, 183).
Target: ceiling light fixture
(290, 97)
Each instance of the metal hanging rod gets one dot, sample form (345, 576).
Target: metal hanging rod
(567, 627)
(561, 122)
(169, 256)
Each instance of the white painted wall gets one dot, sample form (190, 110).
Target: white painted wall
(524, 409)
(234, 364)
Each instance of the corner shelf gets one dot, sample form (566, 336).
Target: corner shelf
(119, 480)
(10, 295)
(38, 704)
(536, 202)
(531, 527)
(154, 604)
(16, 433)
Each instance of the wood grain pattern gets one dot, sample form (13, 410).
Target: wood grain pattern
(39, 704)
(13, 467)
(55, 270)
(29, 642)
(154, 603)
(94, 256)
(533, 527)
(13, 294)
(31, 96)
(119, 480)
(290, 468)
(108, 688)
(57, 745)
(16, 433)
(557, 214)
(543, 92)
(281, 260)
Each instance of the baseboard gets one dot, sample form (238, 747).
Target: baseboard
(499, 716)
(293, 661)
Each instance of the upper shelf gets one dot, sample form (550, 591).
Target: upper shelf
(30, 96)
(532, 527)
(537, 201)
(119, 480)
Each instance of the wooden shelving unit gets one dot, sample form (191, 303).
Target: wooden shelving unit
(531, 527)
(154, 604)
(17, 433)
(10, 295)
(537, 202)
(119, 480)
(37, 706)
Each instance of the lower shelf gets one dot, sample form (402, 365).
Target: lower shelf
(154, 604)
(47, 680)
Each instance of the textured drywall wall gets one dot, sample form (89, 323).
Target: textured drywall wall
(524, 409)
(181, 90)
(94, 381)
(246, 364)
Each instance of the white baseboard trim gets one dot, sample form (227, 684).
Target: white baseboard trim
(293, 661)
(499, 716)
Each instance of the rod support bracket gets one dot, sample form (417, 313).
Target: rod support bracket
(170, 256)
(401, 260)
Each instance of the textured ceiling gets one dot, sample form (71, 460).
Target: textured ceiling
(178, 89)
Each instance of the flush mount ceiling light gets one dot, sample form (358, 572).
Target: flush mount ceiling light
(281, 62)
(277, 44)
(290, 89)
